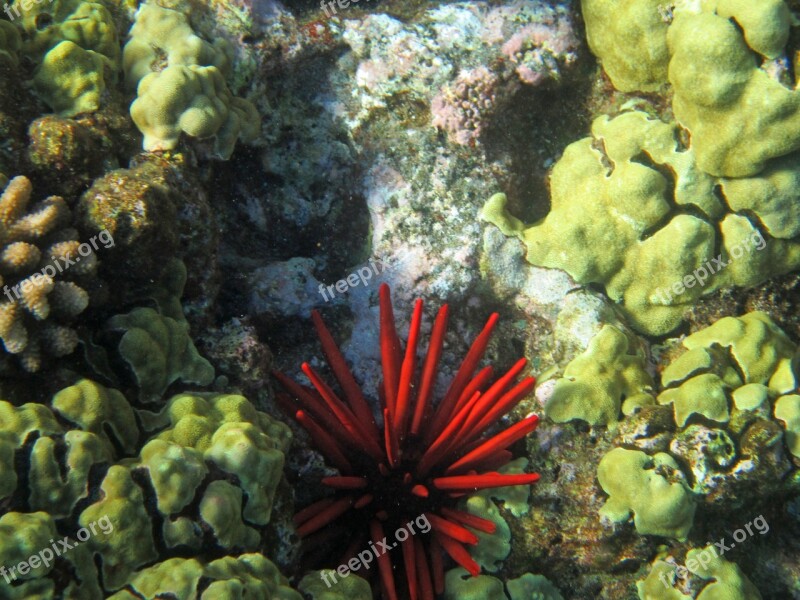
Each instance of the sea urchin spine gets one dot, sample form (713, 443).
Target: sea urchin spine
(423, 459)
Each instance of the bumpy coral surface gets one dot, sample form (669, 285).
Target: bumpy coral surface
(41, 261)
(212, 469)
(180, 81)
(631, 210)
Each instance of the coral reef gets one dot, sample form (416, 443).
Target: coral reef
(210, 452)
(159, 351)
(630, 39)
(651, 488)
(448, 464)
(76, 48)
(635, 219)
(42, 263)
(187, 93)
(599, 383)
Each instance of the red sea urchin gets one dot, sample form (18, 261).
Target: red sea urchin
(424, 459)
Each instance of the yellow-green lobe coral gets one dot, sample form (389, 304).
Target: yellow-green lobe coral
(181, 88)
(160, 351)
(196, 101)
(175, 472)
(653, 587)
(221, 508)
(56, 486)
(630, 210)
(532, 587)
(229, 432)
(245, 576)
(72, 80)
(705, 394)
(10, 44)
(787, 409)
(728, 581)
(651, 488)
(352, 587)
(95, 408)
(739, 117)
(762, 351)
(630, 39)
(76, 46)
(460, 586)
(596, 382)
(129, 543)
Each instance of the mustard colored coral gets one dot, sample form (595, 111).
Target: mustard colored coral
(606, 380)
(631, 210)
(652, 489)
(181, 88)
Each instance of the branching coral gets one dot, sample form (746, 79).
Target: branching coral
(40, 298)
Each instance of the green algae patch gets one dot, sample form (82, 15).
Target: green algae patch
(602, 382)
(631, 210)
(650, 488)
(630, 39)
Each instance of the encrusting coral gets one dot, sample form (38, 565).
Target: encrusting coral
(187, 93)
(601, 382)
(631, 210)
(212, 468)
(156, 344)
(76, 46)
(40, 299)
(651, 488)
(725, 61)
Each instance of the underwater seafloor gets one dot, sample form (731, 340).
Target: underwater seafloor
(201, 195)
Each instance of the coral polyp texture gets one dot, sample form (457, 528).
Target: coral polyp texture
(181, 88)
(40, 298)
(199, 475)
(725, 59)
(417, 465)
(632, 211)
